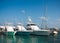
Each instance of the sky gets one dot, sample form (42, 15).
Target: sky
(19, 10)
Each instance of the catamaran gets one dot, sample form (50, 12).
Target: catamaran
(21, 30)
(36, 29)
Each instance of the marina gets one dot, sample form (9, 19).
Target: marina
(31, 29)
(29, 21)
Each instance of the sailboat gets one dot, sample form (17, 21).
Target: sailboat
(9, 29)
(21, 30)
(36, 29)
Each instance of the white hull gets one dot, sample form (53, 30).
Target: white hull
(41, 32)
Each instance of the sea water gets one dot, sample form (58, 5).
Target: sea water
(30, 39)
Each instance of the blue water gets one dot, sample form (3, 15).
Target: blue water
(30, 39)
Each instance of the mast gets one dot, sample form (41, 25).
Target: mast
(44, 17)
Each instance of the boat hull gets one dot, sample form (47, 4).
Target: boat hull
(22, 33)
(44, 33)
(9, 33)
(54, 32)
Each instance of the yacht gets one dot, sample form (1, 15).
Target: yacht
(36, 29)
(21, 30)
(55, 31)
(2, 28)
(9, 29)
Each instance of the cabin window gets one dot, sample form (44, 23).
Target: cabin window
(29, 29)
(31, 24)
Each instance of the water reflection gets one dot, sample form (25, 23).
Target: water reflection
(9, 39)
(24, 39)
(39, 39)
(1, 39)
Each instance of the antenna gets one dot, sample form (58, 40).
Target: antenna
(29, 20)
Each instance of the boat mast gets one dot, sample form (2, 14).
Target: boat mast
(44, 17)
(29, 20)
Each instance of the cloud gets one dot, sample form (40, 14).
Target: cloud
(23, 11)
(43, 18)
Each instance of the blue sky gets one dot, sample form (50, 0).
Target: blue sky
(19, 10)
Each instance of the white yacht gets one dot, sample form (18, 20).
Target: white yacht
(36, 29)
(21, 30)
(9, 29)
(2, 28)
